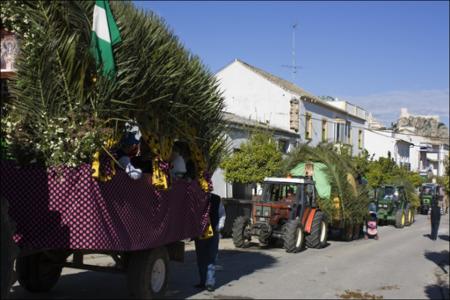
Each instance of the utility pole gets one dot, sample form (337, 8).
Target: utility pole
(293, 67)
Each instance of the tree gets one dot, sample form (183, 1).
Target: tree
(64, 110)
(256, 159)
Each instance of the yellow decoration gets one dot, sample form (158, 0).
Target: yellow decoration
(162, 149)
(159, 178)
(96, 168)
(208, 233)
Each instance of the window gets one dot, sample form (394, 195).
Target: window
(308, 126)
(293, 115)
(324, 130)
(348, 132)
(340, 131)
(360, 139)
(283, 145)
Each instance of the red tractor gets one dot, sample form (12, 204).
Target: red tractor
(286, 212)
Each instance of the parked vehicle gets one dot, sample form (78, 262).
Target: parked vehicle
(286, 212)
(393, 206)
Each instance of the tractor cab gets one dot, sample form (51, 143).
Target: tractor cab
(287, 211)
(427, 192)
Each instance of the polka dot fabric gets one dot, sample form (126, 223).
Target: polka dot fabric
(65, 208)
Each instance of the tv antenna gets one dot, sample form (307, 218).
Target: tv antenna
(293, 67)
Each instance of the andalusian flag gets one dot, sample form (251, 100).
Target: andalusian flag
(105, 35)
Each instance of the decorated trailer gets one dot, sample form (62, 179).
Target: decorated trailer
(62, 212)
(84, 70)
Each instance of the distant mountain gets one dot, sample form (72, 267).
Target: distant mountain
(421, 125)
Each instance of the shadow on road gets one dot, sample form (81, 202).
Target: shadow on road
(440, 290)
(444, 237)
(232, 265)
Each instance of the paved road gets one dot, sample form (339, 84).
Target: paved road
(403, 264)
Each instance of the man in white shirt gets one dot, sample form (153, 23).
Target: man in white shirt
(178, 165)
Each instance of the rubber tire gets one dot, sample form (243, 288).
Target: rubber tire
(9, 251)
(398, 218)
(139, 273)
(347, 233)
(408, 215)
(37, 272)
(293, 227)
(312, 240)
(239, 239)
(356, 231)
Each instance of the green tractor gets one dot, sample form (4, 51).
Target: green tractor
(393, 206)
(427, 192)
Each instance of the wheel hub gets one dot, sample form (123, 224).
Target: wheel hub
(158, 275)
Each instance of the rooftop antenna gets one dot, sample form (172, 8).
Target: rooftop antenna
(293, 67)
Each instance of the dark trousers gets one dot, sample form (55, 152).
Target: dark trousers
(207, 251)
(435, 219)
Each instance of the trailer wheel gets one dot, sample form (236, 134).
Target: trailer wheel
(294, 237)
(9, 250)
(38, 272)
(347, 233)
(241, 235)
(400, 218)
(319, 232)
(147, 273)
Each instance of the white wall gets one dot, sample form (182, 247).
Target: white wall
(379, 144)
(250, 95)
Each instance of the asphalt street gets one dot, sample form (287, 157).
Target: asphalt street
(402, 264)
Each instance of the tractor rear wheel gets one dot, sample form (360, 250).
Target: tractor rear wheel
(400, 218)
(294, 237)
(319, 232)
(240, 232)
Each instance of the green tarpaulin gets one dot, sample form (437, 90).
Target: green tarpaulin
(320, 177)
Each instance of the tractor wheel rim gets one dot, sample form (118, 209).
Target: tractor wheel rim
(323, 232)
(403, 218)
(409, 216)
(299, 238)
(158, 275)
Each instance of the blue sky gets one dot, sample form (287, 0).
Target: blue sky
(379, 55)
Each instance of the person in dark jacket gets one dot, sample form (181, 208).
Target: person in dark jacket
(435, 216)
(207, 249)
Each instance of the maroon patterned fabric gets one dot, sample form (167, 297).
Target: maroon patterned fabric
(65, 208)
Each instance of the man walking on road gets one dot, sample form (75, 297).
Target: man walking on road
(435, 215)
(207, 249)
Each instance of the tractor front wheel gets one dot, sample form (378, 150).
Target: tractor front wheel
(409, 216)
(400, 218)
(294, 237)
(241, 232)
(319, 232)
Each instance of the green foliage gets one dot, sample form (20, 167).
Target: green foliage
(256, 159)
(63, 111)
(353, 206)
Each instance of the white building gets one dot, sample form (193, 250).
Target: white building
(385, 144)
(420, 154)
(253, 95)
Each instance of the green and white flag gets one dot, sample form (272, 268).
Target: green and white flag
(105, 35)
